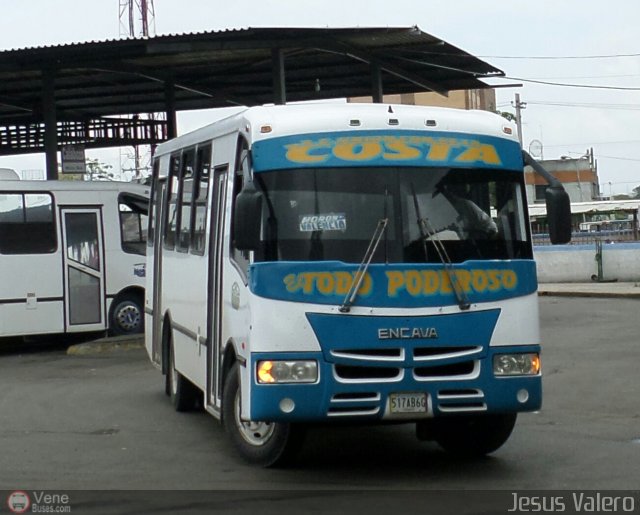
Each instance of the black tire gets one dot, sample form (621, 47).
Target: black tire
(473, 435)
(260, 443)
(184, 395)
(127, 315)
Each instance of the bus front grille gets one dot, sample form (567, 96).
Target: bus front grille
(461, 400)
(359, 373)
(354, 404)
(462, 369)
(436, 353)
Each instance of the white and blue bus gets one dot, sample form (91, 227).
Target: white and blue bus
(72, 257)
(354, 263)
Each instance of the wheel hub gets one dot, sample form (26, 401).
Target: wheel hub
(254, 433)
(128, 317)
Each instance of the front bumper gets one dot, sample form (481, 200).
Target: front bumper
(347, 393)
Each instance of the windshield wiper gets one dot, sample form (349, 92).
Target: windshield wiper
(427, 231)
(364, 266)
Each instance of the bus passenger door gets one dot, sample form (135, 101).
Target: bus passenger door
(83, 259)
(155, 286)
(214, 285)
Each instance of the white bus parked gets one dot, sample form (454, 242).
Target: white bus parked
(328, 263)
(72, 257)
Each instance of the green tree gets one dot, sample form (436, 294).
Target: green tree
(98, 171)
(69, 176)
(506, 114)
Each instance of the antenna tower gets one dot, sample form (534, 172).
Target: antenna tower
(137, 20)
(140, 14)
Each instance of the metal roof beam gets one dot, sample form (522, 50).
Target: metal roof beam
(373, 59)
(157, 76)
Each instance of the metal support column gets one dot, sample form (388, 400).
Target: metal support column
(50, 124)
(170, 104)
(376, 84)
(279, 85)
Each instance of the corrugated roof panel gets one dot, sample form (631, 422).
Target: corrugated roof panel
(228, 67)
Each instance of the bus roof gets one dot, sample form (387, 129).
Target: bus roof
(86, 186)
(330, 117)
(8, 174)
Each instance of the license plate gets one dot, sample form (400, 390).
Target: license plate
(408, 403)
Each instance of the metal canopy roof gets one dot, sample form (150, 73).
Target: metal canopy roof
(224, 68)
(596, 206)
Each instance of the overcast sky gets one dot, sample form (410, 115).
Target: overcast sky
(571, 35)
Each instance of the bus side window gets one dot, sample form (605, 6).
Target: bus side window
(171, 221)
(184, 202)
(200, 197)
(26, 224)
(133, 223)
(241, 174)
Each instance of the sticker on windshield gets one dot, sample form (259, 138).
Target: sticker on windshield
(328, 222)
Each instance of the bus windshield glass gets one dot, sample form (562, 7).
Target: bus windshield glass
(331, 214)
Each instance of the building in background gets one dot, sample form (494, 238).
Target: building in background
(579, 176)
(33, 175)
(484, 99)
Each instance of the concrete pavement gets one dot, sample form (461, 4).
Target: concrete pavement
(127, 342)
(591, 289)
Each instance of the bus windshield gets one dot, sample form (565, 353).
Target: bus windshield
(332, 213)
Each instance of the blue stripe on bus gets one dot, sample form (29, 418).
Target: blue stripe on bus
(339, 332)
(386, 148)
(394, 286)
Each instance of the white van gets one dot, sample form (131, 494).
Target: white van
(72, 257)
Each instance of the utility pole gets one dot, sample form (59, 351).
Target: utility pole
(519, 106)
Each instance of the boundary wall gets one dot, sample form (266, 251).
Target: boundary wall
(578, 263)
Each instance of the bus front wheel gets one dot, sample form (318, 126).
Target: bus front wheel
(260, 443)
(473, 435)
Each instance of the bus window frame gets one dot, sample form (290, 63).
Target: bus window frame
(241, 174)
(204, 149)
(128, 247)
(174, 173)
(187, 153)
(153, 203)
(53, 222)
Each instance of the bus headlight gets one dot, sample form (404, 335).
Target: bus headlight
(270, 372)
(516, 364)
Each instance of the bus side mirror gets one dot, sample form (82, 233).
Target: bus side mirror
(558, 214)
(246, 219)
